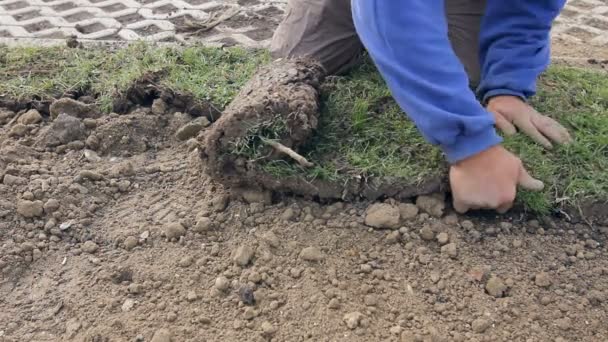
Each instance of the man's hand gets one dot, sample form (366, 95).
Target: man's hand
(488, 180)
(511, 112)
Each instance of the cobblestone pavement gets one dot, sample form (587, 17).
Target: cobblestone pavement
(50, 21)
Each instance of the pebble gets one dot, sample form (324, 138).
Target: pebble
(433, 205)
(28, 209)
(271, 239)
(191, 296)
(203, 224)
(268, 329)
(480, 325)
(174, 230)
(517, 243)
(135, 288)
(14, 180)
(370, 300)
(312, 254)
(161, 335)
(408, 211)
(334, 304)
(17, 130)
(186, 261)
(130, 242)
(393, 237)
(30, 117)
(254, 277)
(51, 205)
(382, 215)
(443, 238)
(128, 305)
(468, 225)
(243, 255)
(246, 295)
(353, 319)
(89, 247)
(564, 323)
(191, 129)
(543, 279)
(288, 215)
(249, 313)
(222, 283)
(496, 287)
(427, 234)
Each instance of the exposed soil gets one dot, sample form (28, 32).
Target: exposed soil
(109, 231)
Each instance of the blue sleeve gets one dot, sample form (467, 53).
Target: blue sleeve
(408, 42)
(514, 45)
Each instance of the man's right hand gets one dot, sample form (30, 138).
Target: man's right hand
(489, 180)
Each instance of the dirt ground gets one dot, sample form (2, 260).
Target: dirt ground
(109, 231)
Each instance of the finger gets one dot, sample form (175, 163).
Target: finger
(551, 129)
(504, 125)
(528, 127)
(460, 206)
(528, 182)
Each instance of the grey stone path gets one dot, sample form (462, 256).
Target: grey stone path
(52, 21)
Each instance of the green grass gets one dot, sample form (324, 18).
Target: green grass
(362, 132)
(210, 74)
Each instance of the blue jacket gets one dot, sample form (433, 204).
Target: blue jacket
(408, 42)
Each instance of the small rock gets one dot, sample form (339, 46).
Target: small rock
(243, 255)
(191, 296)
(468, 225)
(543, 279)
(30, 117)
(407, 211)
(271, 239)
(135, 288)
(161, 335)
(396, 330)
(128, 305)
(450, 249)
(91, 156)
(268, 329)
(517, 243)
(393, 237)
(130, 242)
(249, 313)
(334, 304)
(90, 175)
(73, 108)
(353, 319)
(191, 129)
(203, 224)
(27, 208)
(427, 234)
(433, 205)
(222, 283)
(174, 230)
(288, 215)
(254, 277)
(51, 205)
(89, 247)
(312, 254)
(246, 295)
(382, 215)
(185, 261)
(18, 130)
(443, 238)
(62, 131)
(370, 300)
(480, 325)
(219, 203)
(14, 180)
(495, 287)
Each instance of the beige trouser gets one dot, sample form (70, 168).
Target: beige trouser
(324, 30)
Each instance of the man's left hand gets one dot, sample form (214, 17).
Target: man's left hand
(511, 112)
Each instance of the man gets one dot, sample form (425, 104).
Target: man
(430, 53)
